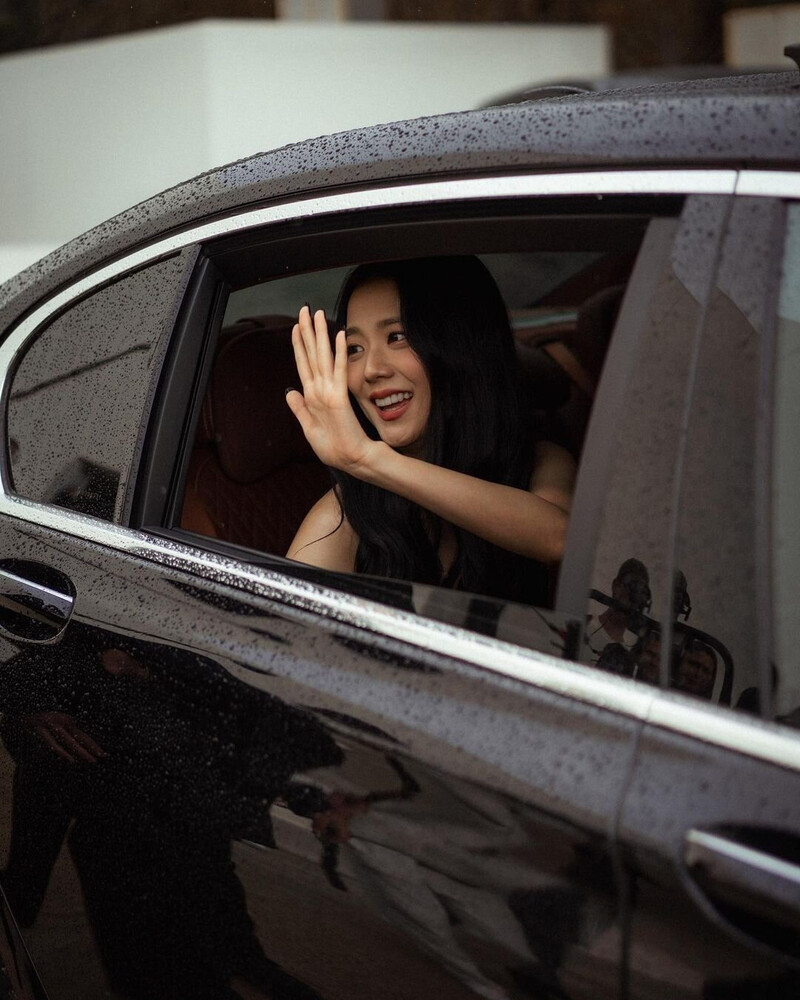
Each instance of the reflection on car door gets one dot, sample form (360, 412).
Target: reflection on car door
(463, 818)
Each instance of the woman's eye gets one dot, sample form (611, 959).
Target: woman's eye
(354, 349)
(395, 336)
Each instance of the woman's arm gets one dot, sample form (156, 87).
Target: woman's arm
(530, 522)
(324, 538)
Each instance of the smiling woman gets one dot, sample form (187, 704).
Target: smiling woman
(438, 477)
(384, 374)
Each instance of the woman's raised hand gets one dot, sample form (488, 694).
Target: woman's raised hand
(323, 408)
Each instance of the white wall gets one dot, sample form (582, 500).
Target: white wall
(92, 128)
(757, 36)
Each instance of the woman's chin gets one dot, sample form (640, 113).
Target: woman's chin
(400, 439)
(413, 449)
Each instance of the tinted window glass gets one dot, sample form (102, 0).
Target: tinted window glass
(80, 390)
(786, 482)
(717, 637)
(636, 443)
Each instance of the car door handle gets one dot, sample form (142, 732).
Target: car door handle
(33, 610)
(746, 880)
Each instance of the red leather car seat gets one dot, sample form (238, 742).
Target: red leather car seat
(252, 475)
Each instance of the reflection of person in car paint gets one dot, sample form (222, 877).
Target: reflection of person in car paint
(437, 478)
(110, 745)
(681, 603)
(617, 625)
(646, 655)
(696, 669)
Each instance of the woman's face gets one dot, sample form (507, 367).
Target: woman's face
(383, 373)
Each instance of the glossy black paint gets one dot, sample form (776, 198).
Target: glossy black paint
(203, 729)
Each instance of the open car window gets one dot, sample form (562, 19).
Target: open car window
(247, 476)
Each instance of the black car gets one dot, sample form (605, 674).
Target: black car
(228, 774)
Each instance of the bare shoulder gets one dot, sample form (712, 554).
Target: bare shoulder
(325, 538)
(553, 476)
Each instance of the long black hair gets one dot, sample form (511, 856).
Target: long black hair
(456, 322)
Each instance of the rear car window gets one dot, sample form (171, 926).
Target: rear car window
(83, 386)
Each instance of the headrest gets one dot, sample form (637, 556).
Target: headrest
(244, 412)
(544, 381)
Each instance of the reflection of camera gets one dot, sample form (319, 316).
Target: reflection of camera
(638, 622)
(639, 596)
(639, 600)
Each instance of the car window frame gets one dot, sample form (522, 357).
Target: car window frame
(222, 266)
(196, 337)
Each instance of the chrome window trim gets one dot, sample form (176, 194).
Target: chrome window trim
(723, 727)
(769, 183)
(559, 676)
(708, 723)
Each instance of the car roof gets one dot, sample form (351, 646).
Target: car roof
(737, 122)
(624, 80)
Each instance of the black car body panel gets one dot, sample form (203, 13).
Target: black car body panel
(192, 762)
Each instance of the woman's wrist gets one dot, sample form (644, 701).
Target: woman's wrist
(371, 466)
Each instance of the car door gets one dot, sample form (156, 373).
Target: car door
(228, 775)
(709, 826)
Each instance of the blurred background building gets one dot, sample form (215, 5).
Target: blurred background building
(105, 102)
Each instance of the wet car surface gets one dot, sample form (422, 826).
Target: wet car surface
(228, 774)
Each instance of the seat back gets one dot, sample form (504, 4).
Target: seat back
(252, 475)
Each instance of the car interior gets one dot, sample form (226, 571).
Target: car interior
(253, 488)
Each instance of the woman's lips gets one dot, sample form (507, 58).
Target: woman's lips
(393, 411)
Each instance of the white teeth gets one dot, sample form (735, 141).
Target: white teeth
(396, 397)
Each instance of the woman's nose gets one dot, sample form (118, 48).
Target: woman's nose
(376, 365)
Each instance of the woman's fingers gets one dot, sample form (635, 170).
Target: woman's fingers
(316, 341)
(323, 343)
(54, 745)
(301, 356)
(317, 364)
(340, 360)
(309, 337)
(74, 746)
(297, 405)
(64, 736)
(83, 740)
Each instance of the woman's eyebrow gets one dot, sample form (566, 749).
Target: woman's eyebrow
(389, 321)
